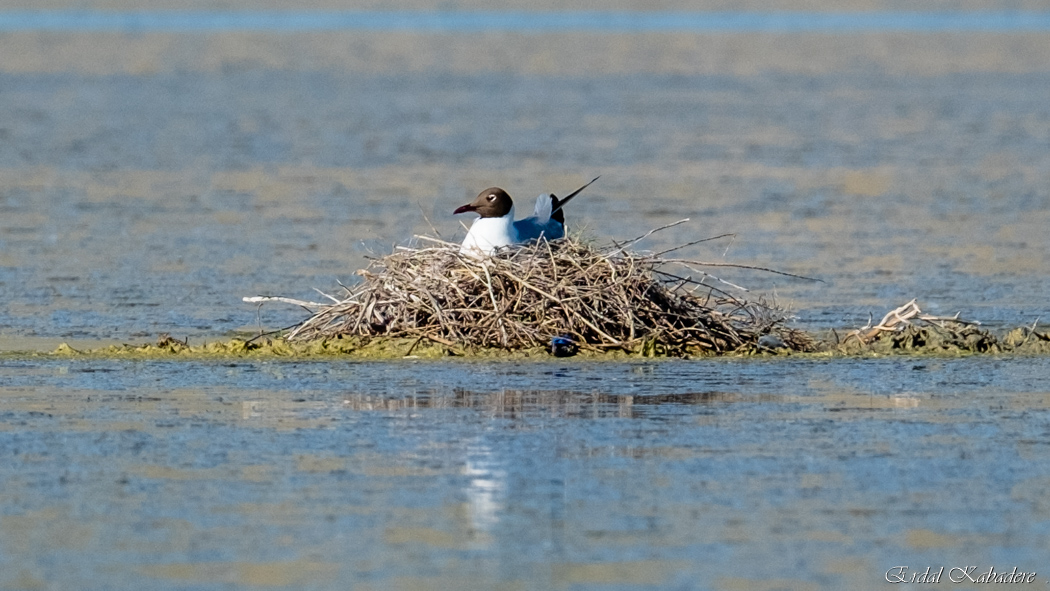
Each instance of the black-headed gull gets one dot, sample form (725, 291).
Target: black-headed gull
(497, 228)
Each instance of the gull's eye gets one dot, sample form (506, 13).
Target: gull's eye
(492, 197)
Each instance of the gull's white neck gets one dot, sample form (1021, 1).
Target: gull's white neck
(488, 234)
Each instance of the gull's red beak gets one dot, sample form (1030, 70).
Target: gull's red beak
(465, 209)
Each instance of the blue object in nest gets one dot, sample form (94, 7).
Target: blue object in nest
(563, 347)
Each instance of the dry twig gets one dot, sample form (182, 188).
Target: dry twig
(897, 319)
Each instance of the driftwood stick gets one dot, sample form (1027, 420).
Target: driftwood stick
(284, 300)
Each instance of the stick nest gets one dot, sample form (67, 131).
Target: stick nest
(602, 298)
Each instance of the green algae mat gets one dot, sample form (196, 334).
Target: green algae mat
(928, 340)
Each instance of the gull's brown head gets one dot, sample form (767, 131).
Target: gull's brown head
(490, 203)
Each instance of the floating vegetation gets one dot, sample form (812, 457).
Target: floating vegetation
(568, 298)
(903, 331)
(908, 330)
(601, 298)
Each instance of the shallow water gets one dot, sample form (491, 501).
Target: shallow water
(710, 475)
(148, 181)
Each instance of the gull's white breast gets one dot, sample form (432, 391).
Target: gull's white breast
(488, 234)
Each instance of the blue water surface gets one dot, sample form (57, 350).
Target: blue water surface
(534, 22)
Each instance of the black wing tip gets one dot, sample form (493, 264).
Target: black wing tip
(559, 204)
